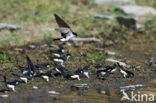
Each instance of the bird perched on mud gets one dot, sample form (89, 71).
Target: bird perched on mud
(23, 78)
(45, 75)
(103, 73)
(59, 52)
(30, 70)
(11, 85)
(83, 72)
(125, 73)
(62, 59)
(66, 73)
(64, 29)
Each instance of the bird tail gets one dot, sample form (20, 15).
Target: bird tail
(56, 39)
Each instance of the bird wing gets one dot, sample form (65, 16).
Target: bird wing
(62, 23)
(30, 65)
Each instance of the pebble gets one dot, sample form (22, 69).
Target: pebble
(4, 96)
(79, 86)
(132, 87)
(110, 53)
(53, 92)
(35, 87)
(115, 61)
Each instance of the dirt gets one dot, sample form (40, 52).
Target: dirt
(135, 52)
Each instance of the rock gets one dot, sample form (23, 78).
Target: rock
(53, 92)
(103, 16)
(110, 53)
(35, 87)
(4, 96)
(103, 92)
(32, 47)
(116, 61)
(79, 87)
(134, 10)
(11, 27)
(114, 2)
(132, 87)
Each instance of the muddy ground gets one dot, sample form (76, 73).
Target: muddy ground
(136, 51)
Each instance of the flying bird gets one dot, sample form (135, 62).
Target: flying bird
(66, 32)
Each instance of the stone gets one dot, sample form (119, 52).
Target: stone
(53, 92)
(132, 87)
(10, 27)
(79, 87)
(134, 10)
(114, 2)
(105, 17)
(111, 60)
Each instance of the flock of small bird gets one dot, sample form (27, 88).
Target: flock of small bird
(58, 58)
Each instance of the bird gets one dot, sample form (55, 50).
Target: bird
(58, 52)
(102, 74)
(30, 70)
(23, 78)
(43, 65)
(45, 75)
(64, 29)
(106, 71)
(31, 67)
(86, 71)
(125, 73)
(79, 71)
(62, 59)
(67, 74)
(10, 85)
(83, 71)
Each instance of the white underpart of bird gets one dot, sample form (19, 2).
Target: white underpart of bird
(68, 57)
(75, 77)
(46, 78)
(24, 79)
(12, 87)
(103, 73)
(57, 55)
(123, 72)
(113, 70)
(25, 72)
(57, 70)
(63, 51)
(69, 36)
(86, 74)
(59, 60)
(40, 70)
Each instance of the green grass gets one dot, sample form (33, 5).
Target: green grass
(150, 24)
(10, 67)
(47, 37)
(96, 56)
(146, 3)
(6, 58)
(80, 17)
(3, 58)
